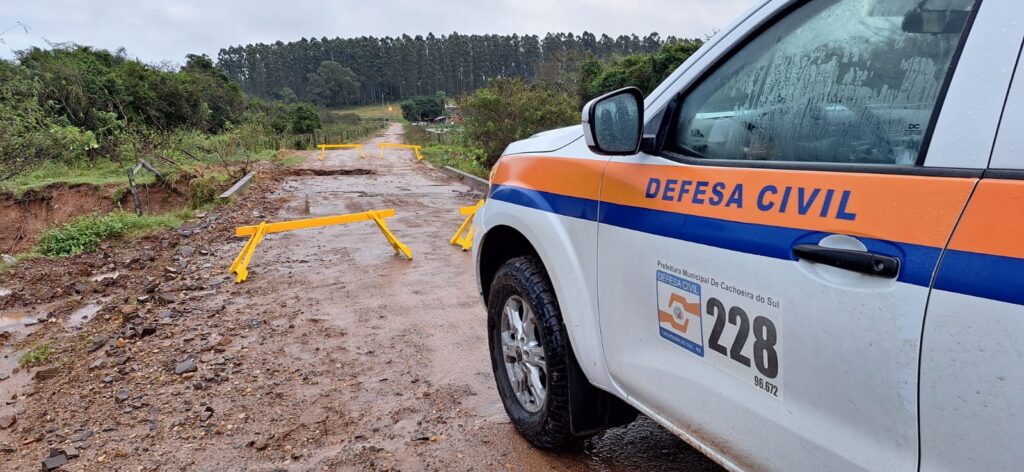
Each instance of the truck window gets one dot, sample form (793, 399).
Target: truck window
(849, 81)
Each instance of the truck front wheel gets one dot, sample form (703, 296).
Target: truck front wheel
(529, 353)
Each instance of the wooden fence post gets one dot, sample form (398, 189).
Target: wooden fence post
(135, 192)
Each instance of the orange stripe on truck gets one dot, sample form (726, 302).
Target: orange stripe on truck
(580, 178)
(994, 220)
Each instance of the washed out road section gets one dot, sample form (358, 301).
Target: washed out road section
(335, 354)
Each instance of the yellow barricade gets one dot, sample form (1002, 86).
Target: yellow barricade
(419, 156)
(241, 264)
(324, 147)
(466, 241)
(257, 232)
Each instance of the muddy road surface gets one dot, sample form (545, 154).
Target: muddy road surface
(336, 354)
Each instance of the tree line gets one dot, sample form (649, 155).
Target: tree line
(352, 71)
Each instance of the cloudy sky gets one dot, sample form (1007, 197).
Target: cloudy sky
(166, 30)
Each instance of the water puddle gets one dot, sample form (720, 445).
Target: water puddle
(13, 381)
(108, 275)
(17, 321)
(81, 315)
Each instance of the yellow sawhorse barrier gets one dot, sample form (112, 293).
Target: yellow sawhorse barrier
(324, 147)
(419, 156)
(241, 264)
(257, 232)
(466, 241)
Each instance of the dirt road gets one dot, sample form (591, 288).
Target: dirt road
(336, 354)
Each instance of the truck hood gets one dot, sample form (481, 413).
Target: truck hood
(546, 141)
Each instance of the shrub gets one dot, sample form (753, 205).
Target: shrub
(423, 108)
(645, 71)
(205, 190)
(508, 110)
(303, 118)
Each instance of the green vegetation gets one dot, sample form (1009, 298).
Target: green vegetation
(39, 354)
(85, 233)
(303, 119)
(645, 71)
(396, 68)
(73, 114)
(377, 111)
(449, 149)
(465, 159)
(332, 85)
(347, 127)
(99, 173)
(77, 115)
(424, 108)
(508, 110)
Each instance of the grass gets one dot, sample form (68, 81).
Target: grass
(39, 354)
(85, 233)
(391, 111)
(455, 153)
(459, 157)
(291, 159)
(341, 133)
(105, 172)
(99, 173)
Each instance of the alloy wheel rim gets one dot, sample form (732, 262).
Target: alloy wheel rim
(523, 354)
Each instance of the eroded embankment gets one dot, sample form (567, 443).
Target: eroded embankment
(24, 218)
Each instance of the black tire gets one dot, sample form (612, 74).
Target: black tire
(550, 427)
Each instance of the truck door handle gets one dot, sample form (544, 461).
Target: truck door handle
(868, 263)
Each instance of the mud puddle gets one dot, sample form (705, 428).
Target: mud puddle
(83, 314)
(104, 276)
(17, 322)
(325, 172)
(12, 378)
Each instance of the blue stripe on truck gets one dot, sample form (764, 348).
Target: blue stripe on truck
(981, 275)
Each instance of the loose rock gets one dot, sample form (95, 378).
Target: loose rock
(46, 374)
(52, 463)
(186, 366)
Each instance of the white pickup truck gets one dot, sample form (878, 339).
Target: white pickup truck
(804, 251)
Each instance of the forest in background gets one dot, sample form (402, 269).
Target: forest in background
(354, 71)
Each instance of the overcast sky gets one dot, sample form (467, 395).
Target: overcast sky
(166, 30)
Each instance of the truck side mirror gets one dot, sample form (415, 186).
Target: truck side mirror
(613, 123)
